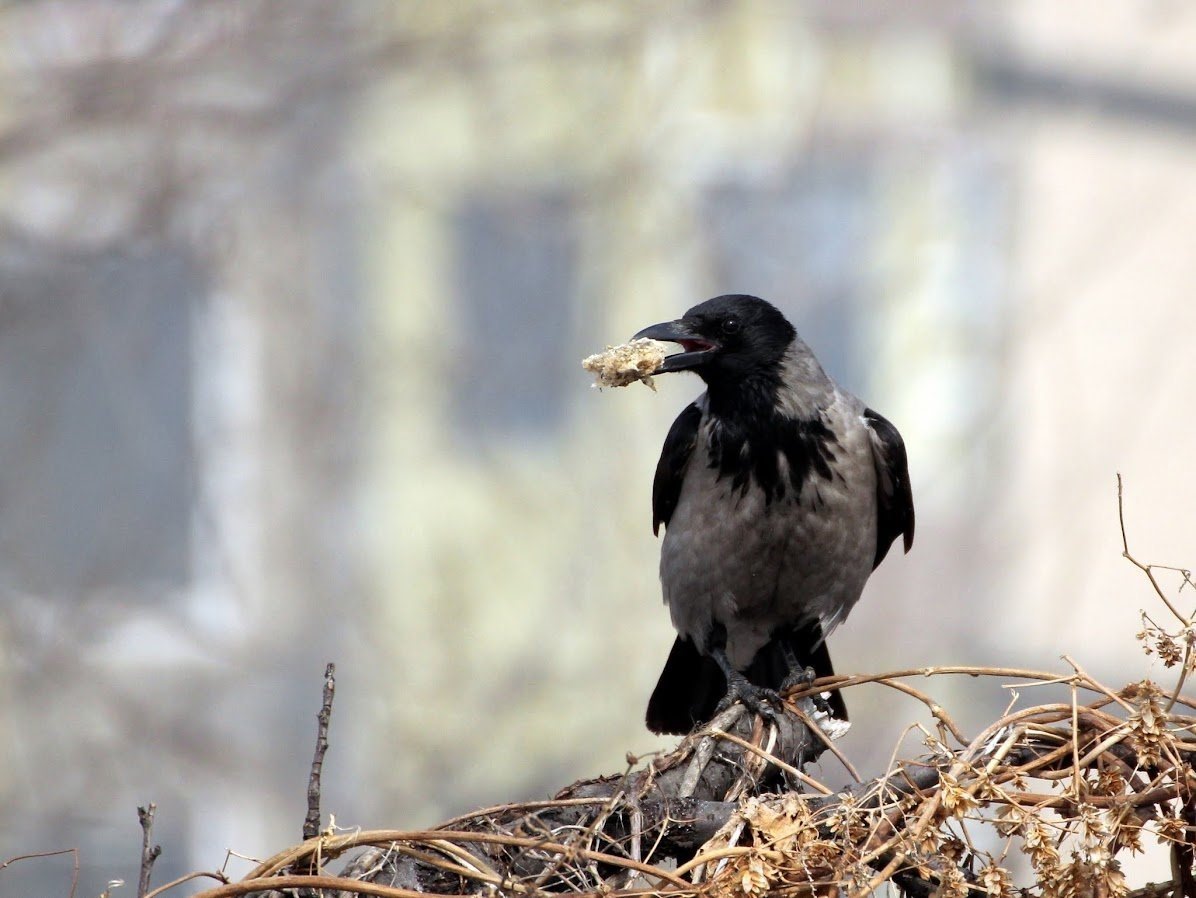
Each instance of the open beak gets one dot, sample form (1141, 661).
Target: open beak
(695, 349)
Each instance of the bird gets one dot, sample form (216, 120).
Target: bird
(780, 492)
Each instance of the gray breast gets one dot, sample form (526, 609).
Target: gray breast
(753, 563)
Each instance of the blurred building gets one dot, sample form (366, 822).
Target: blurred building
(552, 184)
(179, 419)
(293, 298)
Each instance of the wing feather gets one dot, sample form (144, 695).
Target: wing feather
(670, 470)
(895, 501)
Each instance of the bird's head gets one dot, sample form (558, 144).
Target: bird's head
(726, 339)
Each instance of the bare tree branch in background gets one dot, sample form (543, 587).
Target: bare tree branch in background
(73, 852)
(311, 824)
(149, 851)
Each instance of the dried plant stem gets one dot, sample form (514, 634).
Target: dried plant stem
(773, 759)
(149, 851)
(1147, 569)
(822, 737)
(199, 874)
(74, 852)
(311, 823)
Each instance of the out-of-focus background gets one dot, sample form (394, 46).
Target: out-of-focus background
(292, 297)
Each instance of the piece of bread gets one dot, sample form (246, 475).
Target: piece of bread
(626, 363)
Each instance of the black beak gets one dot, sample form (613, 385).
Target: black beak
(697, 350)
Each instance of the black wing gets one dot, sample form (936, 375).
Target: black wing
(895, 502)
(670, 470)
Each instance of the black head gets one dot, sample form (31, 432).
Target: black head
(727, 339)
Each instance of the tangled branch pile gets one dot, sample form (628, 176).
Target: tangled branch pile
(1045, 802)
(1059, 791)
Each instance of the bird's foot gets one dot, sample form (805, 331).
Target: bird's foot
(801, 678)
(758, 699)
(798, 677)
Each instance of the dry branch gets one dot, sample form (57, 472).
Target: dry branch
(74, 852)
(1069, 786)
(149, 851)
(311, 823)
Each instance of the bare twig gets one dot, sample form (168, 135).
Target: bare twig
(74, 852)
(1147, 569)
(199, 874)
(149, 853)
(311, 823)
(826, 740)
(1183, 853)
(774, 760)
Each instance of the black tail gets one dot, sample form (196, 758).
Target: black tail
(689, 689)
(807, 646)
(691, 684)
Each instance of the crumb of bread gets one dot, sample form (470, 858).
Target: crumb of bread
(626, 363)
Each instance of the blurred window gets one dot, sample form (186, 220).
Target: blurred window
(517, 259)
(801, 241)
(95, 403)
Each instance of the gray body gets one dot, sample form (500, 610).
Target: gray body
(734, 559)
(780, 493)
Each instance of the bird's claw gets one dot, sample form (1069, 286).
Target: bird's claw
(767, 703)
(798, 677)
(801, 678)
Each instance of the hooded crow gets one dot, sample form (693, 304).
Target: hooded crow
(780, 493)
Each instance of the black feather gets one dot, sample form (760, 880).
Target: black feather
(670, 470)
(691, 684)
(745, 451)
(689, 689)
(895, 501)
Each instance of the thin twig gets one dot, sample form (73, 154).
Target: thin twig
(149, 853)
(773, 759)
(74, 852)
(827, 741)
(335, 845)
(550, 804)
(199, 874)
(936, 710)
(311, 823)
(720, 853)
(1147, 569)
(465, 870)
(1185, 666)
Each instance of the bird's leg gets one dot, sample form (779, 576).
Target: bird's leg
(799, 674)
(757, 699)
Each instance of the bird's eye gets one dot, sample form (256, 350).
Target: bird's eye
(730, 325)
